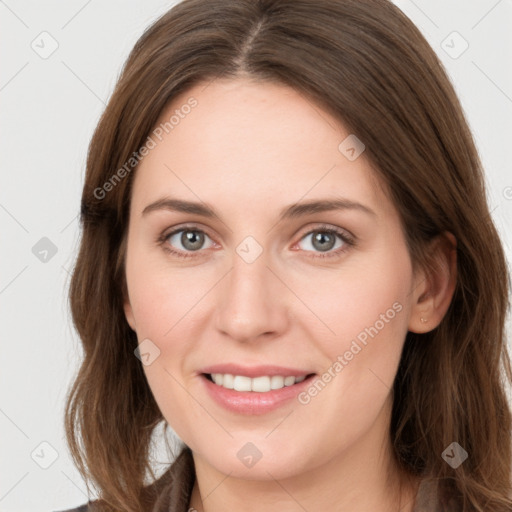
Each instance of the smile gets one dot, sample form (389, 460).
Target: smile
(262, 384)
(254, 395)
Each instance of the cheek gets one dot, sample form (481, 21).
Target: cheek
(160, 296)
(366, 300)
(365, 306)
(160, 300)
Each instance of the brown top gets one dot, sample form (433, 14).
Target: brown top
(174, 489)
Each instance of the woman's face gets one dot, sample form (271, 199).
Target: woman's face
(266, 289)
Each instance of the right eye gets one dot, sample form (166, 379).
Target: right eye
(190, 239)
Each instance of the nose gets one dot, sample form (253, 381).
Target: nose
(251, 302)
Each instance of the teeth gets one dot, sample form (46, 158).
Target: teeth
(258, 384)
(218, 378)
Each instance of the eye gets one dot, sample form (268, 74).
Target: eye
(324, 239)
(186, 239)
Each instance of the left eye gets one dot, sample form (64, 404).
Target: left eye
(324, 240)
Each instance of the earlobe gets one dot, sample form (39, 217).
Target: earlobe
(435, 294)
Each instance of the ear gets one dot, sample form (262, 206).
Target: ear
(128, 311)
(434, 287)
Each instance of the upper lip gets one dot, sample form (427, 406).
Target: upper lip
(254, 371)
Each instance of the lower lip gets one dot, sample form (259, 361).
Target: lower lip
(253, 402)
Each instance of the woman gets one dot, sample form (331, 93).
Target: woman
(287, 256)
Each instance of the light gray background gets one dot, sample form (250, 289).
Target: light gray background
(49, 110)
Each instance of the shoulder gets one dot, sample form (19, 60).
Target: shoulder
(170, 491)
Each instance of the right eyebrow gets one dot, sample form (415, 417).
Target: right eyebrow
(178, 205)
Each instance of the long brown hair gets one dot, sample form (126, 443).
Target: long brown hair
(367, 64)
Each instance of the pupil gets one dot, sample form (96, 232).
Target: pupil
(192, 240)
(321, 238)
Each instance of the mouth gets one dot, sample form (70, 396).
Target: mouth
(261, 384)
(257, 395)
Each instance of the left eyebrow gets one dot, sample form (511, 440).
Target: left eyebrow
(293, 211)
(310, 207)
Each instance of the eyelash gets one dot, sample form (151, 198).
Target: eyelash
(345, 237)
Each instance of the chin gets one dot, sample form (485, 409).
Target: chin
(259, 460)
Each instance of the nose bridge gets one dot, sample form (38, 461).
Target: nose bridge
(250, 302)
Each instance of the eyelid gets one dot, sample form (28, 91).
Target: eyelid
(326, 227)
(304, 231)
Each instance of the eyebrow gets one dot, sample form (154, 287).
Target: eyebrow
(293, 211)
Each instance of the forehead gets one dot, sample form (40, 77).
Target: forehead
(250, 142)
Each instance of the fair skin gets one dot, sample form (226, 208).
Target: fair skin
(248, 150)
